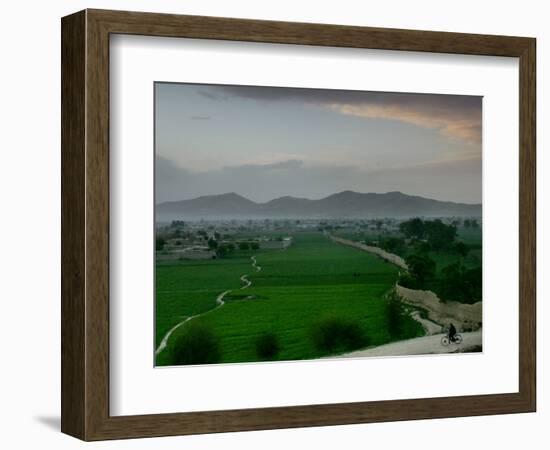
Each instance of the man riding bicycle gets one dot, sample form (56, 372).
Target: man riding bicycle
(451, 337)
(452, 333)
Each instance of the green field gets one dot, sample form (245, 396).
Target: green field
(297, 287)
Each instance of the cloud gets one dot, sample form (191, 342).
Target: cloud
(283, 165)
(454, 116)
(449, 122)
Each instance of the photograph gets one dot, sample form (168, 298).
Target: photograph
(298, 224)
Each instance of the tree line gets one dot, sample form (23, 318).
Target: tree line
(455, 280)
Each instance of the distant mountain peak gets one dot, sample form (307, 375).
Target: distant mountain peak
(224, 195)
(345, 204)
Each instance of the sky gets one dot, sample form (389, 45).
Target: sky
(269, 142)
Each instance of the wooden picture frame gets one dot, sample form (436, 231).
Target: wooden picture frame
(85, 224)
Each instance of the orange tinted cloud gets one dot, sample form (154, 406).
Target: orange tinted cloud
(457, 124)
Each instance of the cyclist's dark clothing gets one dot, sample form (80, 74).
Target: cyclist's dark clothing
(452, 332)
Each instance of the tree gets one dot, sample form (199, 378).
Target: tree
(453, 281)
(462, 249)
(225, 249)
(474, 223)
(474, 280)
(254, 245)
(243, 246)
(461, 284)
(159, 244)
(413, 228)
(177, 223)
(212, 244)
(422, 247)
(217, 236)
(421, 268)
(393, 244)
(222, 251)
(467, 223)
(438, 234)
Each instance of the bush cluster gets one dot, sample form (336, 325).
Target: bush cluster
(267, 346)
(196, 344)
(338, 334)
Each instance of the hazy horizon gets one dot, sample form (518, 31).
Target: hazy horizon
(265, 143)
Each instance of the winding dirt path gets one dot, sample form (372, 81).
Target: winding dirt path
(246, 282)
(255, 264)
(219, 303)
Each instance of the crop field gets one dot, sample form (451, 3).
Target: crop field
(296, 288)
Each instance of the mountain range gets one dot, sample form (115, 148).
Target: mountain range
(346, 204)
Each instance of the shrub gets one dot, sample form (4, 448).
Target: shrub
(196, 344)
(244, 245)
(395, 315)
(338, 334)
(225, 249)
(406, 280)
(267, 346)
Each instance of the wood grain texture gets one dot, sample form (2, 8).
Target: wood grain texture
(73, 320)
(527, 224)
(85, 224)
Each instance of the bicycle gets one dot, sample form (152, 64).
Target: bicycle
(446, 340)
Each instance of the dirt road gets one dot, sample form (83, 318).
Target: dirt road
(429, 326)
(419, 346)
(390, 257)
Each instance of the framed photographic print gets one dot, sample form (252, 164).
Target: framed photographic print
(267, 224)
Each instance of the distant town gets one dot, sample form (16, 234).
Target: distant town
(211, 239)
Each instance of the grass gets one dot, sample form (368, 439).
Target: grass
(187, 288)
(313, 279)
